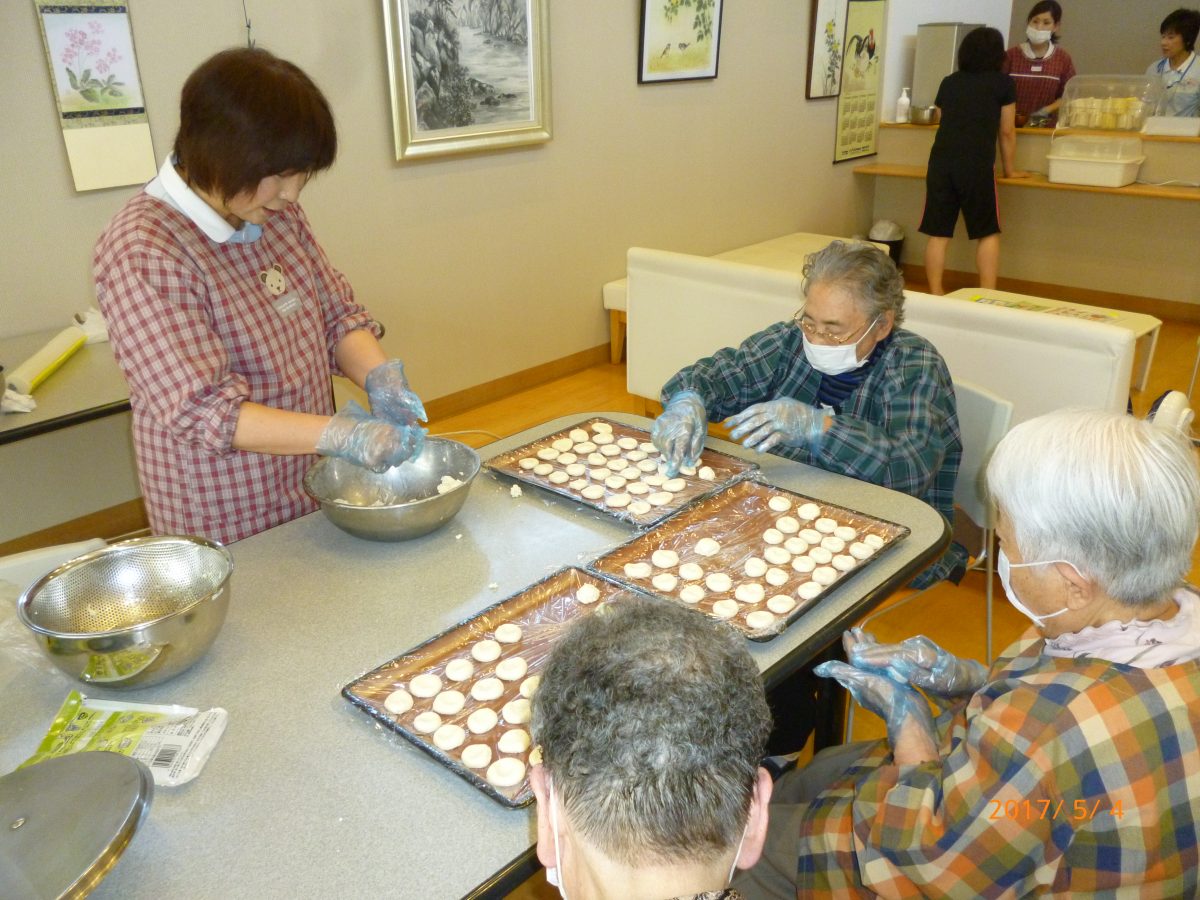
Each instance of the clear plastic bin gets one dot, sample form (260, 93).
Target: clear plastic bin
(1099, 160)
(1109, 102)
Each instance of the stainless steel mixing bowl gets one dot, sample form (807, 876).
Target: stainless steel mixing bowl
(131, 614)
(401, 503)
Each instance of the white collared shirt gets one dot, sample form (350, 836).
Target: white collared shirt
(1027, 49)
(168, 187)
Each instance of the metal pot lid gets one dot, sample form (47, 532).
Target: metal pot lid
(65, 822)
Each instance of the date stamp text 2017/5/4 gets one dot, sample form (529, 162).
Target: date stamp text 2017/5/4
(1040, 810)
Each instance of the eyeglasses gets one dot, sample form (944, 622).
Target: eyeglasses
(811, 330)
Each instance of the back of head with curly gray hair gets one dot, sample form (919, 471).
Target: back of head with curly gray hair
(652, 721)
(1114, 495)
(863, 271)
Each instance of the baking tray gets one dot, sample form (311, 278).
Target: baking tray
(725, 470)
(737, 518)
(541, 610)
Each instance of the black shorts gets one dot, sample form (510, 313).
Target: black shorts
(959, 185)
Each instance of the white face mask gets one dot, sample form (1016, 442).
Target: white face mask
(1003, 567)
(1038, 37)
(835, 359)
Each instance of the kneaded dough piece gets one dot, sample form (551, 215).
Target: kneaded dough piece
(579, 484)
(718, 582)
(535, 756)
(788, 524)
(820, 555)
(638, 489)
(749, 592)
(861, 550)
(692, 593)
(487, 689)
(508, 633)
(610, 451)
(567, 459)
(725, 609)
(660, 498)
(665, 559)
(779, 504)
(549, 454)
(824, 575)
(618, 501)
(707, 547)
(639, 507)
(627, 443)
(398, 702)
(706, 473)
(427, 722)
(597, 459)
(795, 545)
(476, 756)
(833, 544)
(587, 593)
(755, 567)
(616, 466)
(759, 619)
(845, 532)
(576, 469)
(558, 477)
(874, 541)
(593, 492)
(647, 447)
(772, 536)
(781, 604)
(665, 582)
(777, 556)
(482, 720)
(578, 435)
(629, 473)
(826, 525)
(654, 479)
(808, 511)
(646, 465)
(674, 485)
(776, 577)
(449, 736)
(691, 571)
(512, 669)
(689, 471)
(516, 712)
(563, 444)
(486, 650)
(528, 462)
(604, 439)
(585, 447)
(449, 703)
(635, 456)
(804, 564)
(530, 685)
(809, 590)
(425, 685)
(601, 428)
(599, 473)
(810, 535)
(638, 570)
(543, 469)
(515, 740)
(614, 482)
(460, 669)
(844, 562)
(506, 772)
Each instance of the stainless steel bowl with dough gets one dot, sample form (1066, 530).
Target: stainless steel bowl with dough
(405, 502)
(131, 614)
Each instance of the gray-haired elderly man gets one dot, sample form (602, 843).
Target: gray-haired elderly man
(652, 721)
(841, 387)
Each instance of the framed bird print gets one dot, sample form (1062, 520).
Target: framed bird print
(826, 33)
(862, 73)
(680, 40)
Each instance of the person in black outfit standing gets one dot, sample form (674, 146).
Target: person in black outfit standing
(976, 103)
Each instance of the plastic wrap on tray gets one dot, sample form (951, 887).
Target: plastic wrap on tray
(615, 468)
(540, 612)
(754, 555)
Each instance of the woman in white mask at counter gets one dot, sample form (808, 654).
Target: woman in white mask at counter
(1069, 768)
(1039, 67)
(1177, 71)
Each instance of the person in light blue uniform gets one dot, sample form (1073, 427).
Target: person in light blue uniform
(1177, 71)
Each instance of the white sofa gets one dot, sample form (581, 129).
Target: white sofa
(683, 307)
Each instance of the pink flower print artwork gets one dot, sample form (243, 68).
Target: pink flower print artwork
(85, 60)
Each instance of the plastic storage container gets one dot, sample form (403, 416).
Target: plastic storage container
(1109, 102)
(1100, 160)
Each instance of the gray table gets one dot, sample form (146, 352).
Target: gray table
(305, 796)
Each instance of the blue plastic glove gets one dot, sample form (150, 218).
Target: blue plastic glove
(390, 396)
(783, 421)
(919, 662)
(909, 721)
(680, 430)
(365, 440)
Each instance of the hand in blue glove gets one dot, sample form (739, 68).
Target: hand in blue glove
(355, 435)
(390, 396)
(680, 430)
(920, 662)
(783, 421)
(909, 722)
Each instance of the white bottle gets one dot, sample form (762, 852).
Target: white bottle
(902, 106)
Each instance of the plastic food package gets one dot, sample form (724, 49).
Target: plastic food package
(173, 741)
(1109, 102)
(626, 481)
(540, 612)
(746, 522)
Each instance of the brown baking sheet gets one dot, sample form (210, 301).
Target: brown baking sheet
(737, 519)
(725, 468)
(541, 610)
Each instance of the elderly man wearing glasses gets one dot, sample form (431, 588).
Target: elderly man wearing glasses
(841, 387)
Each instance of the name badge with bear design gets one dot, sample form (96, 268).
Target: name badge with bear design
(285, 304)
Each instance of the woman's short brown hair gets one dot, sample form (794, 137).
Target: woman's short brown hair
(246, 114)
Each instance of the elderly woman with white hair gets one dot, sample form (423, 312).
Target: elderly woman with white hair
(1071, 768)
(652, 722)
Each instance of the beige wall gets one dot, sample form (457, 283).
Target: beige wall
(1106, 37)
(484, 265)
